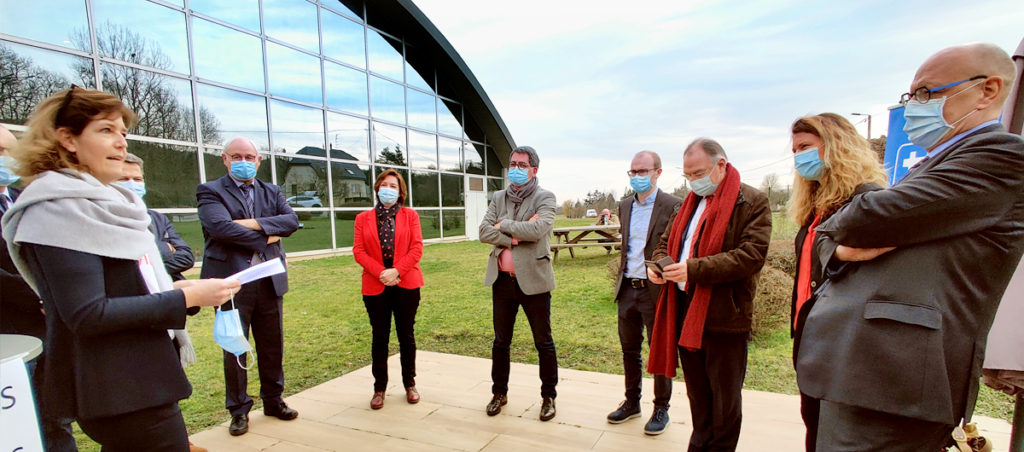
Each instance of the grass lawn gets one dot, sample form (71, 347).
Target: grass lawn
(327, 332)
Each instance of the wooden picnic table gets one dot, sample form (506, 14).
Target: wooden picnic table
(584, 236)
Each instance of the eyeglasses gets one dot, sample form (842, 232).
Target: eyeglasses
(641, 172)
(239, 158)
(924, 94)
(520, 165)
(699, 174)
(64, 104)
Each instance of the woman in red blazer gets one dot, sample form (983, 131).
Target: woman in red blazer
(388, 245)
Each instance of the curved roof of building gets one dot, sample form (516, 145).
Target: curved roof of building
(433, 51)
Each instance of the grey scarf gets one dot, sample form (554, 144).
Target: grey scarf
(518, 196)
(72, 210)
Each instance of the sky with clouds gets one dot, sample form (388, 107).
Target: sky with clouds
(588, 85)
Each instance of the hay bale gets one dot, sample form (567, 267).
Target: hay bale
(773, 300)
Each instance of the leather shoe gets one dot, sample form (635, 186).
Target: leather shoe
(498, 401)
(377, 401)
(411, 395)
(658, 422)
(239, 424)
(627, 410)
(280, 411)
(547, 409)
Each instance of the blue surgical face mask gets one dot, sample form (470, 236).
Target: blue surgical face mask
(387, 196)
(138, 187)
(243, 170)
(704, 187)
(518, 176)
(229, 335)
(808, 164)
(7, 176)
(640, 184)
(925, 125)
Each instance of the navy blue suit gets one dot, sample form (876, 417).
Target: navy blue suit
(229, 249)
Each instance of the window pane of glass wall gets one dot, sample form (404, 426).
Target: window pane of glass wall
(494, 166)
(303, 182)
(389, 144)
(454, 223)
(430, 223)
(42, 73)
(141, 33)
(293, 22)
(190, 230)
(413, 78)
(353, 8)
(31, 20)
(348, 137)
(343, 39)
(473, 153)
(387, 100)
(293, 74)
(297, 129)
(346, 88)
(244, 13)
(449, 154)
(452, 190)
(421, 110)
(385, 55)
(449, 118)
(214, 165)
(494, 185)
(226, 55)
(226, 114)
(352, 184)
(422, 150)
(171, 172)
(314, 233)
(163, 104)
(344, 227)
(425, 189)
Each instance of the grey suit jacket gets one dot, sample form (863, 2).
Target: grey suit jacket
(532, 256)
(905, 333)
(665, 207)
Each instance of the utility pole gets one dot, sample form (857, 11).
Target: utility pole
(869, 122)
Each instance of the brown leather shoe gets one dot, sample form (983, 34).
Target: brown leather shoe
(377, 402)
(498, 401)
(411, 395)
(547, 409)
(195, 448)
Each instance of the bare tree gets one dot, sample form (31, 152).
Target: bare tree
(23, 84)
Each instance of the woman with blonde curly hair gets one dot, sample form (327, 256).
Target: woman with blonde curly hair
(834, 163)
(84, 246)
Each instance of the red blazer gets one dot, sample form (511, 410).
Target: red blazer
(408, 250)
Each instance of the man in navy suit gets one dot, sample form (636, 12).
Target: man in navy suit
(243, 221)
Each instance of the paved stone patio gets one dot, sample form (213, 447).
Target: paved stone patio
(336, 415)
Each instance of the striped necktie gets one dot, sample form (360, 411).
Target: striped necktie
(249, 203)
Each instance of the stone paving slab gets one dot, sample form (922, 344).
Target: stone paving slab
(336, 415)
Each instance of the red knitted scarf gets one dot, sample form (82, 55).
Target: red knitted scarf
(711, 229)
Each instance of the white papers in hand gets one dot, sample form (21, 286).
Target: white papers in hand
(268, 268)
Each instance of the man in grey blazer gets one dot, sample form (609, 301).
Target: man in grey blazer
(644, 217)
(895, 342)
(518, 223)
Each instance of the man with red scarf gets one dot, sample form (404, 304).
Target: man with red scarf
(718, 241)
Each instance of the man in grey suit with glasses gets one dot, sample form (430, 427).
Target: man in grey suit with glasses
(518, 223)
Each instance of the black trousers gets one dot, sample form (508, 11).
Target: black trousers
(507, 297)
(156, 429)
(809, 409)
(849, 428)
(403, 304)
(636, 312)
(260, 309)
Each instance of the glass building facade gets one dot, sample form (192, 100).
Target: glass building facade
(329, 98)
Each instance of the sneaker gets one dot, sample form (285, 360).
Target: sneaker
(658, 422)
(627, 410)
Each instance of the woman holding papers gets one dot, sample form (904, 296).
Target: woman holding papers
(388, 244)
(84, 246)
(833, 163)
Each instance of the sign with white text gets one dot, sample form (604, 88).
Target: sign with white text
(19, 426)
(900, 153)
